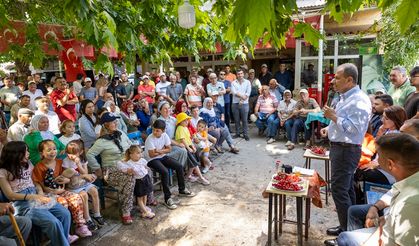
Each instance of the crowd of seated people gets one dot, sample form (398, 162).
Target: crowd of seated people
(61, 141)
(63, 138)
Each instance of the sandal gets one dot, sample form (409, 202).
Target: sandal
(148, 215)
(126, 220)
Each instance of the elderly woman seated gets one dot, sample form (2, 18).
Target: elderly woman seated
(111, 146)
(38, 132)
(214, 117)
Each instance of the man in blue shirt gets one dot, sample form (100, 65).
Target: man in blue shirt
(349, 123)
(284, 77)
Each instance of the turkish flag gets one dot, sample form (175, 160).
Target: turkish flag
(13, 33)
(73, 64)
(50, 32)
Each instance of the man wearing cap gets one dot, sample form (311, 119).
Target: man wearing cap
(303, 106)
(9, 95)
(89, 92)
(265, 76)
(240, 89)
(309, 76)
(349, 123)
(33, 93)
(284, 77)
(265, 110)
(146, 91)
(216, 88)
(161, 87)
(20, 127)
(285, 110)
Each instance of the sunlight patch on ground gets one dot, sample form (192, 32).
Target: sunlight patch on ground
(275, 149)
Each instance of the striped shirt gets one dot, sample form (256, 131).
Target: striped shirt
(194, 95)
(268, 104)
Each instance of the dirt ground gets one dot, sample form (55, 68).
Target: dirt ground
(231, 211)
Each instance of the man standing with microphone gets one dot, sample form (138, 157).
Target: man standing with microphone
(349, 123)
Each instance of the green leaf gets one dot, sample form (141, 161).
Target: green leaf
(407, 13)
(310, 34)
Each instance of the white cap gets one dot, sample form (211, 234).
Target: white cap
(304, 91)
(288, 91)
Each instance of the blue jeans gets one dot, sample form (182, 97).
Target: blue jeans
(272, 123)
(54, 222)
(356, 216)
(344, 160)
(227, 109)
(294, 126)
(8, 235)
(355, 238)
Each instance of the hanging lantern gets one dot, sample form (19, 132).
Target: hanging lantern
(186, 14)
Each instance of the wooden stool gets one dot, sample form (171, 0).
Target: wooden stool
(308, 155)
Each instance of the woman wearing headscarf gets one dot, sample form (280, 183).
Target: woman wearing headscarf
(178, 150)
(111, 146)
(38, 132)
(214, 117)
(111, 107)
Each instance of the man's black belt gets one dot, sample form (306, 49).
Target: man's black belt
(344, 144)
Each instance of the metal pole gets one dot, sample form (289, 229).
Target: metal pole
(320, 63)
(60, 68)
(297, 69)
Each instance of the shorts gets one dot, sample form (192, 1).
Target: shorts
(143, 186)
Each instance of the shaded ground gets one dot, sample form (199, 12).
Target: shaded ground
(231, 211)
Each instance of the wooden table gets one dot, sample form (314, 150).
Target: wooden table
(277, 201)
(309, 155)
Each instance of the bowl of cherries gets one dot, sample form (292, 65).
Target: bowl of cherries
(287, 182)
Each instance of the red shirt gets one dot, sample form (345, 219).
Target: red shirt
(66, 112)
(146, 88)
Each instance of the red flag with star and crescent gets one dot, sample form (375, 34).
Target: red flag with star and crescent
(72, 59)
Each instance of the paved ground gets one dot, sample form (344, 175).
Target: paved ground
(231, 211)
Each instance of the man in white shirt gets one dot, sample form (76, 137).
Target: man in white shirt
(43, 109)
(161, 87)
(240, 89)
(398, 155)
(285, 109)
(33, 93)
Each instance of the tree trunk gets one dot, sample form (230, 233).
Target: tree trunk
(22, 70)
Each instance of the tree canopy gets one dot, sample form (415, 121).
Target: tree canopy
(121, 23)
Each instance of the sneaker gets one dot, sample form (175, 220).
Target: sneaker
(92, 225)
(170, 204)
(99, 219)
(204, 181)
(288, 143)
(271, 140)
(186, 193)
(205, 170)
(234, 150)
(83, 231)
(72, 238)
(192, 179)
(246, 138)
(236, 136)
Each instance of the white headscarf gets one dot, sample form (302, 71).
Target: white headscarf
(35, 127)
(205, 110)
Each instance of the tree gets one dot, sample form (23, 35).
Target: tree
(399, 48)
(237, 24)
